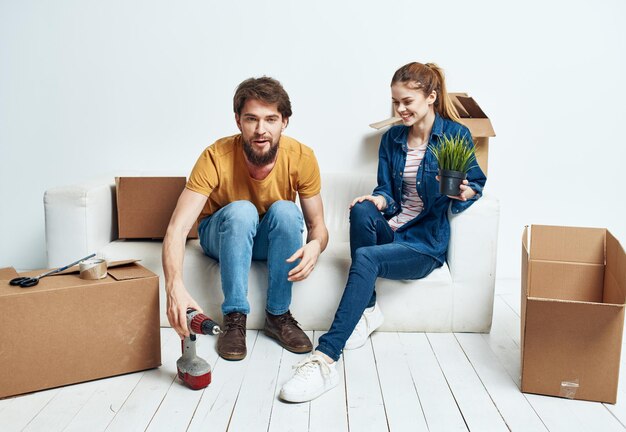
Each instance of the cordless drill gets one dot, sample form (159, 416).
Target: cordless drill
(194, 371)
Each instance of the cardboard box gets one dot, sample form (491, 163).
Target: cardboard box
(479, 125)
(573, 299)
(473, 117)
(67, 330)
(145, 206)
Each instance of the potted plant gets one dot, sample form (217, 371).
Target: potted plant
(455, 156)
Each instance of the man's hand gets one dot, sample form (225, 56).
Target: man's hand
(379, 201)
(187, 210)
(308, 255)
(316, 241)
(178, 300)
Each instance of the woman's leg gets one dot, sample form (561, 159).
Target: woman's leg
(391, 261)
(368, 227)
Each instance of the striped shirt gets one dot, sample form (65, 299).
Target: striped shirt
(412, 204)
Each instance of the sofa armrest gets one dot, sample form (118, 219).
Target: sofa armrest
(80, 219)
(472, 254)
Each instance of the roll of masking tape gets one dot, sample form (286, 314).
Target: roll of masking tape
(93, 269)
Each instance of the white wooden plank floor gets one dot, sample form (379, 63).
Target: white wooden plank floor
(397, 382)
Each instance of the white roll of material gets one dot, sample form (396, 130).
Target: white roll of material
(93, 269)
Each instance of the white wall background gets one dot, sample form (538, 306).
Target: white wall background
(94, 87)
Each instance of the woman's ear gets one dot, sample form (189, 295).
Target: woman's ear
(432, 97)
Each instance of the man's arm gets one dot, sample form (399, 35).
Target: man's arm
(316, 241)
(188, 208)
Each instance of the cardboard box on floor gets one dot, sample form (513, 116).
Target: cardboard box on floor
(573, 299)
(473, 117)
(67, 330)
(145, 206)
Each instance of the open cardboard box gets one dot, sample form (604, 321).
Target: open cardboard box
(473, 117)
(573, 299)
(66, 330)
(145, 206)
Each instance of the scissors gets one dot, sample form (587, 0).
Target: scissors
(26, 282)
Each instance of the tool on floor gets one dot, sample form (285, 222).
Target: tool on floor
(27, 282)
(195, 372)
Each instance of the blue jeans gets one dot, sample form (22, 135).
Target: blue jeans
(234, 236)
(374, 254)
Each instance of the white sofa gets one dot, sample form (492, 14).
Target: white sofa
(456, 297)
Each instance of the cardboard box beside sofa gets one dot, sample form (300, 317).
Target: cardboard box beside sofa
(145, 206)
(573, 299)
(66, 330)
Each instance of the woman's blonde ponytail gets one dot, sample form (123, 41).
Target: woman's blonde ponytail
(445, 107)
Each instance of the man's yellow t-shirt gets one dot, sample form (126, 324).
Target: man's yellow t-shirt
(222, 175)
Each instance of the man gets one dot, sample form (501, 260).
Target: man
(243, 189)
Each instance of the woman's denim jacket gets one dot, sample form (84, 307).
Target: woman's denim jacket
(429, 232)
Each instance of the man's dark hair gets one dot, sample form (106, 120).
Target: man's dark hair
(266, 90)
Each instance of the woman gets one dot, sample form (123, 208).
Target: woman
(401, 230)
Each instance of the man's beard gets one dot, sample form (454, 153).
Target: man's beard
(259, 159)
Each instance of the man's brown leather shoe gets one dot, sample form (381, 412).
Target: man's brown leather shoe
(285, 329)
(231, 343)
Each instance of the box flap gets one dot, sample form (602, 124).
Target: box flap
(472, 115)
(131, 271)
(566, 281)
(454, 97)
(113, 264)
(467, 106)
(110, 264)
(524, 290)
(615, 271)
(8, 273)
(478, 127)
(569, 244)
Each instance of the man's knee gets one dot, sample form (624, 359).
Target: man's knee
(286, 213)
(284, 209)
(240, 216)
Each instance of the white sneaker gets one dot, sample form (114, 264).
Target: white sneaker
(313, 377)
(371, 319)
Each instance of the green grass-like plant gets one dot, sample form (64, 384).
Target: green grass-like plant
(454, 153)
